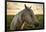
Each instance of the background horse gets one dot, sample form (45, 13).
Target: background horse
(25, 16)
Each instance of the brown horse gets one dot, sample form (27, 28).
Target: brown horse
(25, 16)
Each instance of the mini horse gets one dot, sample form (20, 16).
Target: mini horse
(26, 15)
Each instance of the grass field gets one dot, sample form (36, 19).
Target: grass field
(10, 17)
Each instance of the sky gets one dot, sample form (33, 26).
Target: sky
(14, 8)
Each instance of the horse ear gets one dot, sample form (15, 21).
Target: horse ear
(25, 6)
(30, 7)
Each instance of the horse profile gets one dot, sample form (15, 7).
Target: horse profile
(25, 16)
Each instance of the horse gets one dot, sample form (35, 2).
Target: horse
(25, 16)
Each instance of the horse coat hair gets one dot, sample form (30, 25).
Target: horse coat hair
(26, 15)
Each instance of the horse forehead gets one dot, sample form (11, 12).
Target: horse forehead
(26, 11)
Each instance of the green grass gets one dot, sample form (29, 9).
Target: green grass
(10, 17)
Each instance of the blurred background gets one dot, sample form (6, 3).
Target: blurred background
(14, 8)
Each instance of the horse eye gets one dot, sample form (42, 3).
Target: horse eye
(31, 15)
